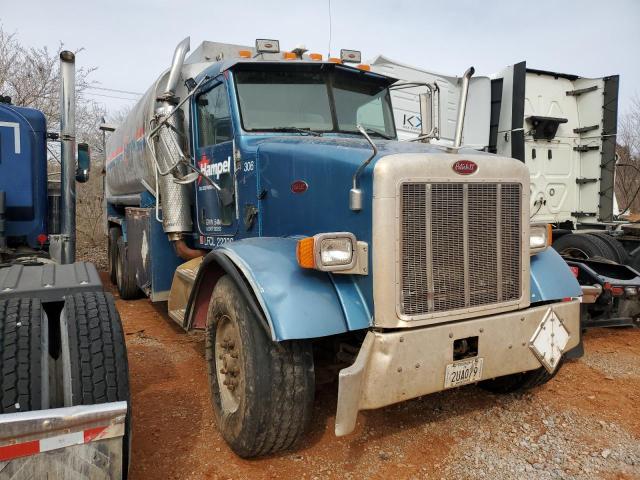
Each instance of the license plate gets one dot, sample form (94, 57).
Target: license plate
(463, 372)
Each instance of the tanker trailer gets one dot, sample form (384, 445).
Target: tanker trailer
(411, 268)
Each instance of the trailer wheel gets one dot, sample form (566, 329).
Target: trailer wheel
(262, 391)
(619, 254)
(125, 275)
(24, 353)
(112, 252)
(94, 360)
(519, 381)
(581, 246)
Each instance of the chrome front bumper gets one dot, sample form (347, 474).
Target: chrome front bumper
(395, 366)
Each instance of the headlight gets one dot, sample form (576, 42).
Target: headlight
(328, 252)
(336, 251)
(539, 237)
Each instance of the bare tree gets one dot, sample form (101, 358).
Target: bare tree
(31, 77)
(628, 164)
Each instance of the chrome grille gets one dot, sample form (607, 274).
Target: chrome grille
(460, 246)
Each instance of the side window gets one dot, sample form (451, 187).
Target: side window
(214, 119)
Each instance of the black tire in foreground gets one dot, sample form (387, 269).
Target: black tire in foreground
(125, 274)
(519, 381)
(96, 369)
(582, 246)
(24, 356)
(262, 391)
(112, 252)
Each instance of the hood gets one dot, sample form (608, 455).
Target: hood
(323, 167)
(351, 151)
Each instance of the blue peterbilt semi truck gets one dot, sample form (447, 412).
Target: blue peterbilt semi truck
(265, 196)
(64, 388)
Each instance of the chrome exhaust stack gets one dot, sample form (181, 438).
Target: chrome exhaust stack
(176, 67)
(168, 149)
(68, 154)
(462, 106)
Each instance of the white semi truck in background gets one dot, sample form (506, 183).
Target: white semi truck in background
(563, 127)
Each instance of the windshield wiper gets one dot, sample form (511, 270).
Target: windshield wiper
(307, 131)
(373, 131)
(378, 132)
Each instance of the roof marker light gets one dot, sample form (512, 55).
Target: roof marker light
(289, 56)
(335, 60)
(267, 46)
(364, 67)
(244, 53)
(315, 56)
(351, 56)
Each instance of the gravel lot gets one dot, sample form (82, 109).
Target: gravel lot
(584, 424)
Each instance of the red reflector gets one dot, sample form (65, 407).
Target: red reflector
(567, 299)
(42, 238)
(92, 433)
(615, 291)
(20, 450)
(575, 270)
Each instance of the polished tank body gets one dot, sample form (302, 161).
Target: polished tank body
(129, 165)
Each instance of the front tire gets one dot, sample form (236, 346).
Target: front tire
(262, 391)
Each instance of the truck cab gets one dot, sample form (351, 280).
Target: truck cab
(23, 178)
(312, 225)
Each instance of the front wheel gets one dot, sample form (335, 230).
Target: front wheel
(262, 391)
(519, 381)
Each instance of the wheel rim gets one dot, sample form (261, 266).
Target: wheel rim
(229, 370)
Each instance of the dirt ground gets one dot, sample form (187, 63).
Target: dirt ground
(583, 424)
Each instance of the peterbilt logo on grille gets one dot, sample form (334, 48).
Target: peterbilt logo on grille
(465, 167)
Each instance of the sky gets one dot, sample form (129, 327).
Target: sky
(131, 42)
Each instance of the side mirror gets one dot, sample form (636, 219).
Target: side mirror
(426, 113)
(84, 163)
(430, 113)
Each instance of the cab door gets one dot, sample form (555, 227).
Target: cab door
(214, 150)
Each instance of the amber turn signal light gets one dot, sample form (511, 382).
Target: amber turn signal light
(305, 253)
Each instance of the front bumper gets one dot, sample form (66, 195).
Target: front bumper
(395, 366)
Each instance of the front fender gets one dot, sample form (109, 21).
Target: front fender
(297, 303)
(551, 278)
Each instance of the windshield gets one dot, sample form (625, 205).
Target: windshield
(318, 98)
